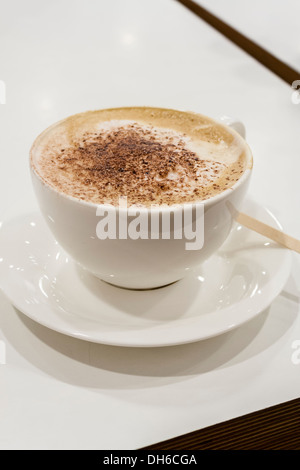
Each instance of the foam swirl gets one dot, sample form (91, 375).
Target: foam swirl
(154, 159)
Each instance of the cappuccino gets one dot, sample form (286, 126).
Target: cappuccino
(149, 155)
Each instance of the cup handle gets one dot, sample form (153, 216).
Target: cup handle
(237, 125)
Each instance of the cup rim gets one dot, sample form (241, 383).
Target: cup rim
(161, 207)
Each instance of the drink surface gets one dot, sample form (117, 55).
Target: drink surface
(149, 155)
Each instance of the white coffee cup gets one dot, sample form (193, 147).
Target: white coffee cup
(141, 263)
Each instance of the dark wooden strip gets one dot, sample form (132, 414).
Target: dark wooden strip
(274, 428)
(243, 435)
(281, 69)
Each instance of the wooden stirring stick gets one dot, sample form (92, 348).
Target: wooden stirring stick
(264, 229)
(268, 231)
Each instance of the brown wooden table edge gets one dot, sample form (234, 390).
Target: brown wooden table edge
(277, 66)
(273, 428)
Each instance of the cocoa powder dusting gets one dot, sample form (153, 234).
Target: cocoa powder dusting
(138, 162)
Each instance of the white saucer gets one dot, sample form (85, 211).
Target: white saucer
(233, 286)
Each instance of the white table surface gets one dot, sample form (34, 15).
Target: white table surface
(273, 24)
(61, 57)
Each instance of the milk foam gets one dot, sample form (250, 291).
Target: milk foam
(149, 158)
